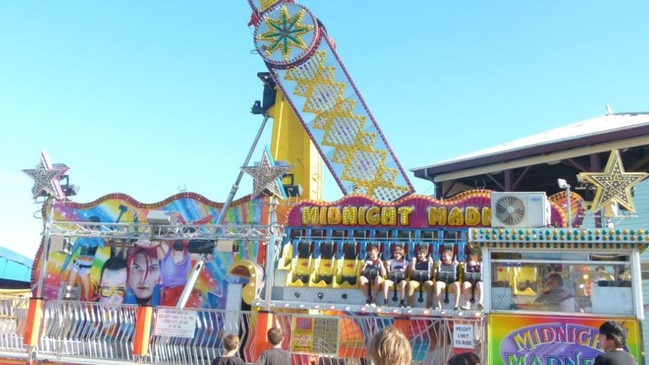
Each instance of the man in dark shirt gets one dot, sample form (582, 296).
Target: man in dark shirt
(554, 298)
(275, 355)
(612, 338)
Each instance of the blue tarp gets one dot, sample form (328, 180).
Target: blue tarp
(14, 268)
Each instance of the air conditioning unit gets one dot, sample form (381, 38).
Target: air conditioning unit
(520, 209)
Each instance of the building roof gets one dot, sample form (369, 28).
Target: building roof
(15, 269)
(535, 162)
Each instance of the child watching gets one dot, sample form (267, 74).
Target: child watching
(396, 268)
(231, 345)
(372, 273)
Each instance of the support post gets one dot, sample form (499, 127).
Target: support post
(264, 323)
(568, 206)
(33, 327)
(403, 324)
(142, 333)
(49, 204)
(270, 254)
(191, 281)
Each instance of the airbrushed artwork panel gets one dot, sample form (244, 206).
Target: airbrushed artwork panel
(111, 269)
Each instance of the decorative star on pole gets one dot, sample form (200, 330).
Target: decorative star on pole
(614, 184)
(47, 178)
(267, 176)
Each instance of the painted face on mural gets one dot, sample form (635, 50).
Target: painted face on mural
(113, 287)
(144, 275)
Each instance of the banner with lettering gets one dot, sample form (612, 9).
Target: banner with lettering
(530, 340)
(470, 209)
(465, 210)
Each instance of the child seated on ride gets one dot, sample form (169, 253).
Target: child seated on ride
(421, 276)
(447, 277)
(372, 274)
(397, 274)
(472, 281)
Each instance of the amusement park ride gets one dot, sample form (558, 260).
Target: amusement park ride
(245, 257)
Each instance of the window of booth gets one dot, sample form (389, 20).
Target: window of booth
(561, 282)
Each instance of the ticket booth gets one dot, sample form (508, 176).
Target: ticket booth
(547, 291)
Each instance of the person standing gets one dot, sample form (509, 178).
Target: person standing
(276, 355)
(231, 344)
(612, 338)
(390, 347)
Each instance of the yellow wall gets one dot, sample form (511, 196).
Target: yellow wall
(290, 143)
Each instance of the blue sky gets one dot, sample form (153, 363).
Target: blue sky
(152, 97)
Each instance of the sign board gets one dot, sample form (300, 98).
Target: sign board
(315, 335)
(463, 336)
(175, 323)
(535, 339)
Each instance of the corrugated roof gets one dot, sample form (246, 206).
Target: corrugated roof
(586, 130)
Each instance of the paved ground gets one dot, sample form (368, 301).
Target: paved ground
(23, 362)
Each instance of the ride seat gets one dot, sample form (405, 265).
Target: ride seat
(326, 269)
(349, 264)
(302, 268)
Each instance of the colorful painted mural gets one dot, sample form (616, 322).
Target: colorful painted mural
(139, 271)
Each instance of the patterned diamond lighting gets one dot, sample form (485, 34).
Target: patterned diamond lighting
(303, 62)
(342, 126)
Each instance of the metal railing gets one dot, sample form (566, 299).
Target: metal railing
(13, 321)
(162, 232)
(89, 333)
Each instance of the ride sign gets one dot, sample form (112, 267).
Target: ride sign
(175, 323)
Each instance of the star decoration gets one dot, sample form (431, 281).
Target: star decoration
(285, 33)
(47, 178)
(267, 176)
(614, 184)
